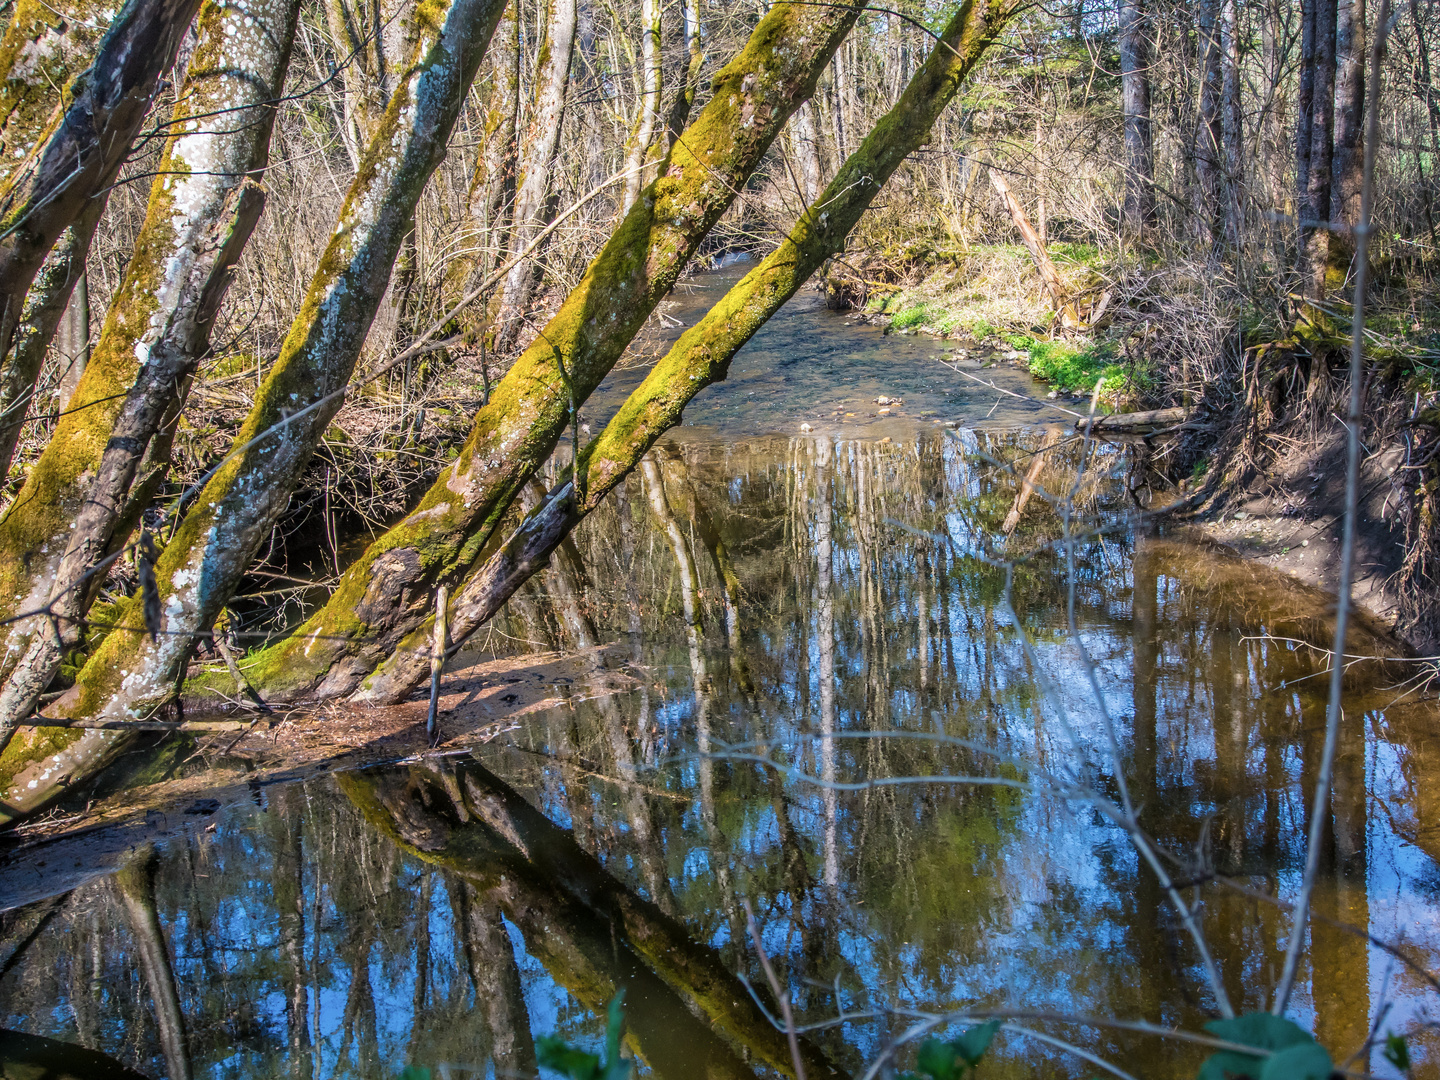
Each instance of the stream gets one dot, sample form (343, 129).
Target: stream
(803, 618)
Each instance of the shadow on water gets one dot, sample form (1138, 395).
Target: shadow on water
(780, 598)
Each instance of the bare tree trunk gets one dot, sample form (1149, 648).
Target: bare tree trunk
(1315, 208)
(1231, 123)
(1139, 210)
(135, 887)
(130, 674)
(1049, 276)
(492, 191)
(387, 592)
(1349, 153)
(202, 210)
(689, 81)
(803, 140)
(1305, 105)
(1208, 134)
(84, 145)
(45, 305)
(703, 353)
(72, 337)
(541, 145)
(650, 14)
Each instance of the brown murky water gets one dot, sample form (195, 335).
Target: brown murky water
(825, 602)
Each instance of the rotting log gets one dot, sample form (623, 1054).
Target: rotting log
(1137, 422)
(203, 207)
(86, 141)
(131, 674)
(703, 353)
(385, 594)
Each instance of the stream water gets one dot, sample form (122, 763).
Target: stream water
(806, 619)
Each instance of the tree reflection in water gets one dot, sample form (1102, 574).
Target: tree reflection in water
(789, 594)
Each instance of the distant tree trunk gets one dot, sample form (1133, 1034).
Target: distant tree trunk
(82, 148)
(1208, 181)
(72, 338)
(1139, 209)
(541, 145)
(131, 674)
(387, 591)
(492, 191)
(1315, 238)
(45, 305)
(203, 207)
(1231, 131)
(702, 355)
(689, 81)
(649, 102)
(804, 140)
(1349, 154)
(1305, 106)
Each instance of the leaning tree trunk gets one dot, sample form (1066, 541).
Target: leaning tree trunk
(45, 306)
(1139, 209)
(387, 592)
(649, 103)
(131, 673)
(537, 166)
(84, 145)
(203, 207)
(703, 353)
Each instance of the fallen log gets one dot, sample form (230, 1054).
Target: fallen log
(1137, 422)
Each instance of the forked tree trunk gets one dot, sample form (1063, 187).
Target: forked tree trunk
(84, 145)
(130, 674)
(689, 81)
(650, 27)
(703, 353)
(387, 592)
(203, 208)
(541, 146)
(1139, 209)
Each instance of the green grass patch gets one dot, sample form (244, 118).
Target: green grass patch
(1075, 368)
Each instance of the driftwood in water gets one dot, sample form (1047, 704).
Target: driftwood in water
(1137, 423)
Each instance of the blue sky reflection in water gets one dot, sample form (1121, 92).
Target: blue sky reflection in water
(422, 914)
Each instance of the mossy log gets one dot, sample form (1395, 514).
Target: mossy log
(703, 353)
(87, 139)
(203, 208)
(386, 593)
(130, 674)
(1137, 423)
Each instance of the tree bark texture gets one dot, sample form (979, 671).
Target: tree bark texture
(1230, 127)
(45, 306)
(703, 353)
(689, 81)
(84, 145)
(202, 211)
(541, 145)
(1139, 209)
(1315, 205)
(386, 593)
(1348, 160)
(130, 674)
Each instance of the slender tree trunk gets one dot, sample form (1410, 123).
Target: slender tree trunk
(1208, 136)
(84, 145)
(130, 674)
(72, 336)
(703, 353)
(1305, 105)
(650, 13)
(1231, 131)
(689, 81)
(492, 190)
(202, 210)
(45, 306)
(804, 140)
(542, 144)
(1315, 239)
(1049, 276)
(1139, 210)
(1349, 153)
(387, 592)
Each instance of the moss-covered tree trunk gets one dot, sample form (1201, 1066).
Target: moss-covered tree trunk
(703, 353)
(387, 592)
(131, 674)
(203, 207)
(83, 146)
(45, 305)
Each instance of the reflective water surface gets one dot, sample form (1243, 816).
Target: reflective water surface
(804, 617)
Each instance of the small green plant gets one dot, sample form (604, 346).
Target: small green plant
(955, 1059)
(911, 316)
(555, 1053)
(1293, 1054)
(1396, 1051)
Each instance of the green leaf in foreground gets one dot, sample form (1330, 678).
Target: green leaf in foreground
(553, 1052)
(952, 1060)
(1292, 1053)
